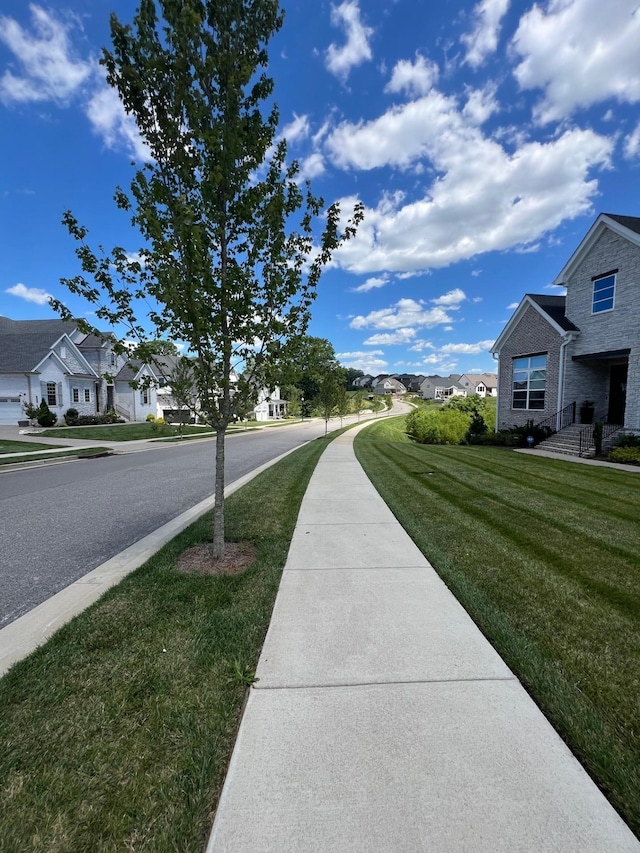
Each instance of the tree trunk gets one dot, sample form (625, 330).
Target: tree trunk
(218, 510)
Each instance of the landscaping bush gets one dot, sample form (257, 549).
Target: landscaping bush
(624, 440)
(71, 417)
(630, 455)
(97, 420)
(504, 438)
(150, 418)
(46, 417)
(443, 426)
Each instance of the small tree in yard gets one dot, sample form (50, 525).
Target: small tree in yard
(343, 403)
(328, 398)
(229, 256)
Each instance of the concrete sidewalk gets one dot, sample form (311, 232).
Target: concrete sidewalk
(383, 720)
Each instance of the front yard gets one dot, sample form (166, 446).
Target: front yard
(545, 556)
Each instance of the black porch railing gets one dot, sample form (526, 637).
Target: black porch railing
(587, 435)
(564, 418)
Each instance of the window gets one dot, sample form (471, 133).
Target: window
(529, 382)
(51, 394)
(604, 289)
(112, 359)
(144, 396)
(63, 352)
(87, 395)
(75, 395)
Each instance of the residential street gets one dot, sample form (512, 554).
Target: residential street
(61, 521)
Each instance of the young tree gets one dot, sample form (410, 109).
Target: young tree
(328, 398)
(229, 257)
(184, 391)
(343, 402)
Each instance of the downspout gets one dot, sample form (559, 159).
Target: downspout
(570, 336)
(496, 358)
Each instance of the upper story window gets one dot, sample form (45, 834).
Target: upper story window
(112, 359)
(604, 291)
(529, 382)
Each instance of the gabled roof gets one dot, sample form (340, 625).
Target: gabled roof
(25, 343)
(550, 307)
(625, 226)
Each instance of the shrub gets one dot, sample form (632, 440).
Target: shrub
(443, 426)
(31, 411)
(46, 417)
(71, 417)
(97, 420)
(150, 418)
(521, 433)
(630, 455)
(624, 440)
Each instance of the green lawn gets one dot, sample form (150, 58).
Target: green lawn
(116, 734)
(79, 454)
(7, 446)
(123, 432)
(545, 556)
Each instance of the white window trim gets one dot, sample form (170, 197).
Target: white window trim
(594, 281)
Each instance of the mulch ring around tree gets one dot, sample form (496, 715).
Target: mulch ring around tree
(199, 560)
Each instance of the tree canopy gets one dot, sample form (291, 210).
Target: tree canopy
(231, 256)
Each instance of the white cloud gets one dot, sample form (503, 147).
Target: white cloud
(406, 313)
(340, 60)
(111, 122)
(512, 305)
(483, 197)
(31, 294)
(580, 52)
(296, 129)
(49, 71)
(401, 336)
(372, 284)
(311, 167)
(452, 299)
(413, 78)
(632, 143)
(368, 362)
(477, 299)
(466, 349)
(483, 39)
(420, 346)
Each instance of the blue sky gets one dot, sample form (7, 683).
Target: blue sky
(482, 138)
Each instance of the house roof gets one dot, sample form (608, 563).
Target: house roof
(554, 307)
(625, 226)
(550, 307)
(24, 343)
(630, 222)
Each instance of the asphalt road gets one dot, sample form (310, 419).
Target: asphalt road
(59, 522)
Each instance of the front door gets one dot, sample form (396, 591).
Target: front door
(617, 393)
(109, 397)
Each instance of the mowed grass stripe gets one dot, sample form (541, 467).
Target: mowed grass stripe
(553, 583)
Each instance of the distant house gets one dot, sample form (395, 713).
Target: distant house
(482, 384)
(442, 387)
(557, 352)
(269, 406)
(363, 381)
(389, 385)
(53, 360)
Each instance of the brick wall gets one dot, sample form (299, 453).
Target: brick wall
(532, 335)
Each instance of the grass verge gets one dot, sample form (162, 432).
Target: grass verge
(41, 457)
(544, 555)
(7, 446)
(123, 432)
(116, 734)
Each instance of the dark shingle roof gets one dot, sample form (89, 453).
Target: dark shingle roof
(630, 222)
(554, 307)
(24, 343)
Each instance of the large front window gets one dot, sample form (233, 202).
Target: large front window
(529, 382)
(52, 394)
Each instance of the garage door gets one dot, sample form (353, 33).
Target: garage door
(10, 410)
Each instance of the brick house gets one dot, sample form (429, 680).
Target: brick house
(557, 351)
